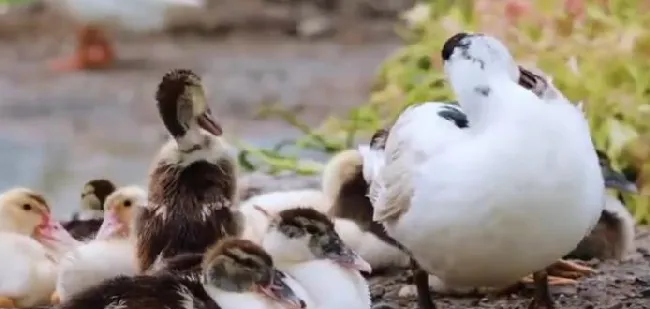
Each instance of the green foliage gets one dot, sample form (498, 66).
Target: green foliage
(600, 59)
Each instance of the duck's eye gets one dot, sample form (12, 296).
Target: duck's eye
(27, 207)
(127, 203)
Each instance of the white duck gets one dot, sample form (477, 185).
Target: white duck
(110, 254)
(304, 243)
(32, 244)
(454, 196)
(94, 49)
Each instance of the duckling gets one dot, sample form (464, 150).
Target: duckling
(84, 224)
(304, 243)
(613, 236)
(453, 195)
(193, 182)
(257, 223)
(351, 211)
(110, 254)
(32, 244)
(235, 274)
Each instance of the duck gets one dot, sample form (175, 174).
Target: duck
(85, 223)
(94, 49)
(343, 183)
(613, 236)
(256, 222)
(33, 243)
(234, 274)
(192, 186)
(452, 195)
(110, 254)
(304, 243)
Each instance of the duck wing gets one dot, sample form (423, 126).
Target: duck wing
(420, 132)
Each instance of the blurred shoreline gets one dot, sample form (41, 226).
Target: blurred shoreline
(58, 130)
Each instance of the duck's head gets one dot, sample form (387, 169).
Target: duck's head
(94, 193)
(614, 179)
(240, 266)
(184, 110)
(26, 212)
(304, 234)
(120, 210)
(469, 57)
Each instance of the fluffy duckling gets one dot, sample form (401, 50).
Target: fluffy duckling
(344, 184)
(32, 244)
(234, 274)
(193, 183)
(86, 222)
(111, 253)
(613, 236)
(304, 243)
(274, 202)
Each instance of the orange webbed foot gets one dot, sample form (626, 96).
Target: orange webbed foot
(6, 302)
(55, 299)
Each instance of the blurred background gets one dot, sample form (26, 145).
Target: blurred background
(316, 76)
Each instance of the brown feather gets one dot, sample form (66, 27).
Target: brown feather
(184, 194)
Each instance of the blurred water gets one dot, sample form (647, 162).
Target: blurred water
(57, 131)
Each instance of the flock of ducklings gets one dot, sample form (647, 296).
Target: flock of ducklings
(189, 242)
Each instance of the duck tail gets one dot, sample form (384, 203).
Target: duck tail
(373, 162)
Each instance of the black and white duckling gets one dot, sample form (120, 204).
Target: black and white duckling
(32, 244)
(613, 236)
(84, 224)
(304, 243)
(192, 185)
(256, 222)
(235, 274)
(488, 203)
(111, 253)
(351, 211)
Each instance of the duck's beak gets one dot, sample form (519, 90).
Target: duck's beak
(279, 291)
(111, 226)
(347, 258)
(53, 235)
(531, 81)
(207, 122)
(617, 181)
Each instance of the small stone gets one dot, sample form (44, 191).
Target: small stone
(384, 305)
(645, 293)
(564, 289)
(407, 291)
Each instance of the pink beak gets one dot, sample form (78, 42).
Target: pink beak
(110, 227)
(52, 234)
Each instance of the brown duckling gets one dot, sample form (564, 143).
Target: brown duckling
(193, 182)
(234, 274)
(86, 222)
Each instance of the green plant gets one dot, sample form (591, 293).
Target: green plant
(600, 58)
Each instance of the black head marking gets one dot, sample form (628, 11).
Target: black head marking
(452, 43)
(454, 114)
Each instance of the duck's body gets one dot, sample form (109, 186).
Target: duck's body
(110, 254)
(86, 222)
(193, 183)
(454, 196)
(94, 49)
(274, 202)
(351, 212)
(28, 270)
